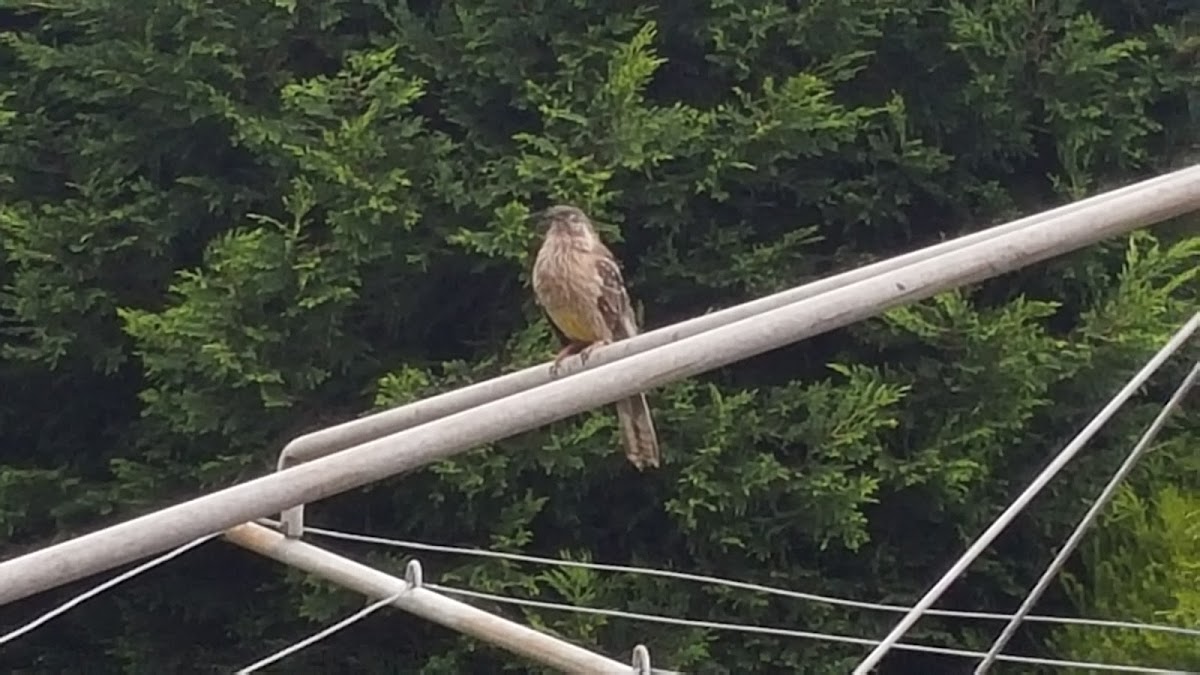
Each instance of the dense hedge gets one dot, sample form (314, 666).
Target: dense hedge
(223, 224)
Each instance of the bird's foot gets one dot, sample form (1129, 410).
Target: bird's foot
(587, 351)
(562, 354)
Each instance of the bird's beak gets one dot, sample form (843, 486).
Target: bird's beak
(544, 222)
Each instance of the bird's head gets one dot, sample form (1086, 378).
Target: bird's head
(568, 221)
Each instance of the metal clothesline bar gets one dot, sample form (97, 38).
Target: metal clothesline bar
(1093, 513)
(729, 583)
(832, 638)
(445, 437)
(1023, 500)
(347, 434)
(453, 614)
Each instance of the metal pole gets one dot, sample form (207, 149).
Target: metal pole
(1014, 509)
(445, 437)
(1090, 517)
(355, 432)
(348, 434)
(427, 604)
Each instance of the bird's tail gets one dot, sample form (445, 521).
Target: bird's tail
(637, 431)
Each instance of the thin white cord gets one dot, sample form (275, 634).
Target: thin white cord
(321, 635)
(88, 595)
(730, 583)
(1089, 518)
(789, 633)
(989, 535)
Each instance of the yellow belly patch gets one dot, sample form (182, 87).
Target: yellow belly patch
(575, 325)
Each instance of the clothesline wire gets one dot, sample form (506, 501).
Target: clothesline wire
(1022, 501)
(1013, 619)
(730, 583)
(784, 632)
(100, 588)
(1093, 513)
(323, 633)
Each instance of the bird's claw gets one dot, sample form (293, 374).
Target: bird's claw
(584, 352)
(556, 367)
(587, 351)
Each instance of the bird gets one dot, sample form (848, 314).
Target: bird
(578, 284)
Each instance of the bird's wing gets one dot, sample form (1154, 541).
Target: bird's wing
(614, 302)
(563, 340)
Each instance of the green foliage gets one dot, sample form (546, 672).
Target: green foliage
(1143, 565)
(223, 225)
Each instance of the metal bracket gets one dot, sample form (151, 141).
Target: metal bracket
(413, 574)
(641, 660)
(291, 521)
